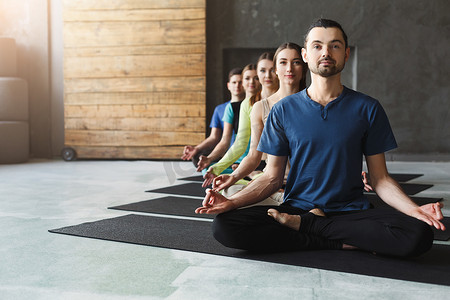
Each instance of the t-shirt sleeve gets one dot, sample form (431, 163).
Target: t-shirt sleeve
(379, 137)
(273, 138)
(240, 143)
(216, 120)
(228, 115)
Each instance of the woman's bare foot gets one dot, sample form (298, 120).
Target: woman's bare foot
(291, 221)
(318, 212)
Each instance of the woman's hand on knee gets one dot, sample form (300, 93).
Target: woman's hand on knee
(209, 177)
(223, 181)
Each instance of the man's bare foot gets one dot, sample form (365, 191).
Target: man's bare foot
(318, 212)
(291, 221)
(348, 247)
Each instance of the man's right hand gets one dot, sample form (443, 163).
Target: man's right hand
(189, 152)
(215, 203)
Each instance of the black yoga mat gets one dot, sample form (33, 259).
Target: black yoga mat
(186, 189)
(443, 235)
(188, 235)
(193, 178)
(183, 206)
(377, 202)
(196, 189)
(404, 177)
(414, 188)
(400, 177)
(170, 205)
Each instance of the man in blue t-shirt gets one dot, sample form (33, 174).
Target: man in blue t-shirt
(234, 85)
(325, 130)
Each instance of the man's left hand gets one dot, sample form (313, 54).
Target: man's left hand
(431, 214)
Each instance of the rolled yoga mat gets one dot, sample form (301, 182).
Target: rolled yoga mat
(196, 236)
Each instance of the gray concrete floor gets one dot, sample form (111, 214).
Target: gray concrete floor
(46, 194)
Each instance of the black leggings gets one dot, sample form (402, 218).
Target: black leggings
(382, 230)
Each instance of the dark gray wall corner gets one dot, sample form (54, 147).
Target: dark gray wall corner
(402, 57)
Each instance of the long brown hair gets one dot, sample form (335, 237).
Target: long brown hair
(255, 98)
(294, 46)
(266, 55)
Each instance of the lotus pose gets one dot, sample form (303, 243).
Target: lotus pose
(325, 130)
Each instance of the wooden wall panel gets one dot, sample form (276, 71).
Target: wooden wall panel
(101, 34)
(135, 15)
(135, 84)
(134, 77)
(131, 4)
(112, 98)
(136, 124)
(134, 65)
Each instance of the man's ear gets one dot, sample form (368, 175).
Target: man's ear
(347, 53)
(304, 56)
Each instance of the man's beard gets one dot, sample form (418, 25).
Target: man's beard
(329, 70)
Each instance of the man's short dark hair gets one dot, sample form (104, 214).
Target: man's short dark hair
(326, 23)
(235, 71)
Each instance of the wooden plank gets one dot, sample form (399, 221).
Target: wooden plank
(134, 15)
(138, 84)
(136, 50)
(131, 138)
(134, 77)
(101, 34)
(134, 111)
(167, 98)
(125, 152)
(130, 4)
(134, 66)
(136, 124)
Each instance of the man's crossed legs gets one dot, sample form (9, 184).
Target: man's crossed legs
(382, 230)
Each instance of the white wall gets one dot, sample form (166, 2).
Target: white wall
(56, 76)
(27, 22)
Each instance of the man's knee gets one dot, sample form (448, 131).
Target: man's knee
(420, 242)
(225, 231)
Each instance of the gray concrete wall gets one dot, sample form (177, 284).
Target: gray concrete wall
(401, 57)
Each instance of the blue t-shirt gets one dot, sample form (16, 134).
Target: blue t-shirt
(216, 120)
(325, 146)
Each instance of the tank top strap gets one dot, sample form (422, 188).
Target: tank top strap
(266, 110)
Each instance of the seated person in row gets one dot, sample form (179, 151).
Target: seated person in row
(325, 130)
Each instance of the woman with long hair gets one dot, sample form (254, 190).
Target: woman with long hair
(241, 143)
(291, 71)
